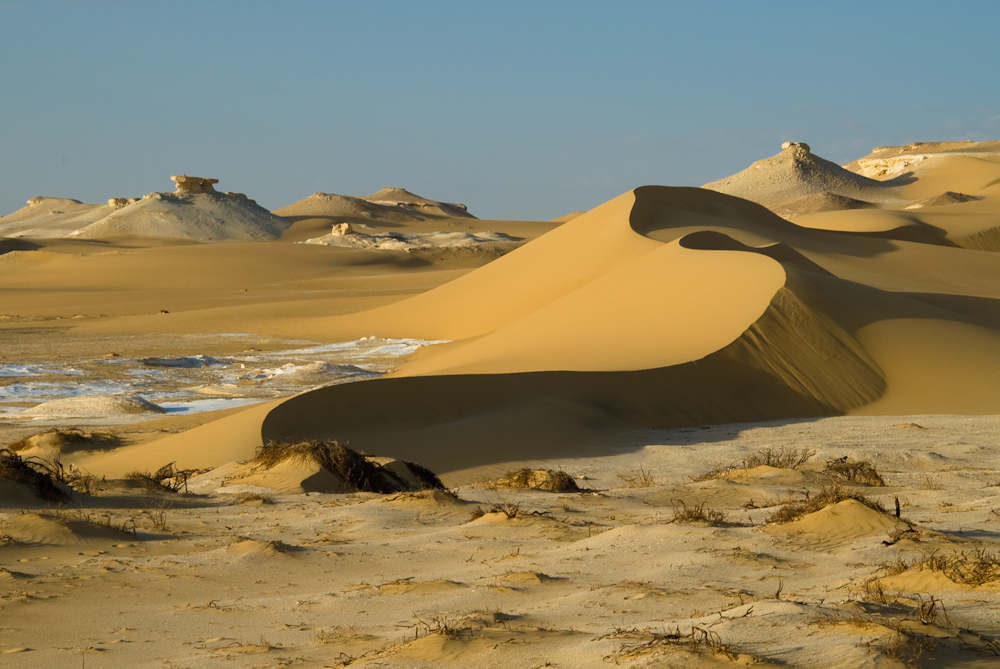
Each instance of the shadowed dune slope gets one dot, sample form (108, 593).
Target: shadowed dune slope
(602, 324)
(663, 307)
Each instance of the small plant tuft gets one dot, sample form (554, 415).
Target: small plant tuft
(639, 479)
(862, 471)
(697, 513)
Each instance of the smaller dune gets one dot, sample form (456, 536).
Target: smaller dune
(53, 443)
(948, 197)
(389, 205)
(817, 202)
(93, 406)
(68, 529)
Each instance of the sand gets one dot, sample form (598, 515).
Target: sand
(843, 314)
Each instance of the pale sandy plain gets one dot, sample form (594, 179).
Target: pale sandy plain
(846, 315)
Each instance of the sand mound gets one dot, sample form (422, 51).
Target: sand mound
(328, 467)
(947, 197)
(344, 206)
(344, 235)
(389, 205)
(93, 406)
(254, 547)
(51, 217)
(72, 529)
(191, 215)
(840, 524)
(796, 173)
(403, 198)
(825, 201)
(52, 444)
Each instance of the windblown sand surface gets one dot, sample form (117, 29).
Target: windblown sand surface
(701, 362)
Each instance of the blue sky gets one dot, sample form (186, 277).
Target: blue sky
(518, 109)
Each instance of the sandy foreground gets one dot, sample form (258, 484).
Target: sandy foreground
(778, 396)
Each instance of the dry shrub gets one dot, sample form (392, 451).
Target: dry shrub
(697, 513)
(639, 479)
(780, 458)
(545, 479)
(78, 480)
(358, 472)
(907, 647)
(103, 519)
(978, 567)
(336, 634)
(863, 471)
(14, 468)
(501, 506)
(827, 496)
(428, 479)
(158, 515)
(166, 477)
(645, 642)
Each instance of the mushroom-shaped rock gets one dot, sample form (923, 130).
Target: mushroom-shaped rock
(799, 145)
(186, 184)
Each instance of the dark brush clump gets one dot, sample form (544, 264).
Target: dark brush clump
(13, 468)
(544, 479)
(358, 472)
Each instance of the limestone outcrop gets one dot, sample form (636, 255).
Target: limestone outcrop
(187, 184)
(117, 203)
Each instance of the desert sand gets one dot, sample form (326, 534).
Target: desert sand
(767, 409)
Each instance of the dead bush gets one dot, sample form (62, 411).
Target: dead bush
(697, 513)
(639, 479)
(862, 471)
(645, 642)
(358, 472)
(14, 468)
(544, 479)
(166, 478)
(827, 496)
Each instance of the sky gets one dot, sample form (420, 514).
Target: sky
(518, 109)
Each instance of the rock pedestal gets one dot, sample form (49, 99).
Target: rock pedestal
(186, 184)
